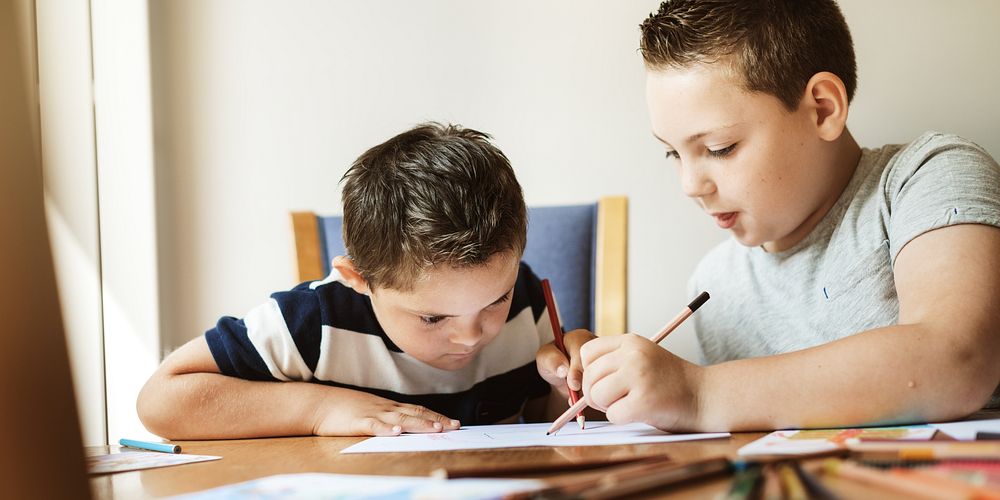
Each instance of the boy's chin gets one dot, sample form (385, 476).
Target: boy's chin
(748, 240)
(452, 363)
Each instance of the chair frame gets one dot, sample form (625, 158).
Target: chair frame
(611, 267)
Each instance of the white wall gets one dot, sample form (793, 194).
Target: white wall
(126, 199)
(260, 107)
(66, 108)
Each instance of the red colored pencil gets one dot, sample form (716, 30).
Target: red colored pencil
(557, 333)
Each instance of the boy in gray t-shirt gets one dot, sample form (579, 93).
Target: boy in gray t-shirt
(861, 286)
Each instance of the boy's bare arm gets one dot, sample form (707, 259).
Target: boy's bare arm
(187, 398)
(938, 363)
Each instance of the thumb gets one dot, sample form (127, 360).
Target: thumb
(552, 365)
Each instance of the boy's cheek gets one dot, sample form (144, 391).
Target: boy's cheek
(494, 325)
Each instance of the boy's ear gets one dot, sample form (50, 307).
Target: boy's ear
(826, 98)
(345, 266)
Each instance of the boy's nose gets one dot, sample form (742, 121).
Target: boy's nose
(467, 335)
(695, 183)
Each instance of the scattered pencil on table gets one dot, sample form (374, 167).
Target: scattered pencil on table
(520, 469)
(744, 481)
(792, 483)
(557, 335)
(927, 450)
(814, 488)
(771, 489)
(683, 315)
(624, 480)
(147, 445)
(914, 485)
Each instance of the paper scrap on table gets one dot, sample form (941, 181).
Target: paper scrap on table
(966, 430)
(802, 442)
(346, 486)
(518, 435)
(136, 460)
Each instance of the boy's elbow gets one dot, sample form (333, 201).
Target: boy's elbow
(977, 394)
(154, 408)
(975, 379)
(958, 404)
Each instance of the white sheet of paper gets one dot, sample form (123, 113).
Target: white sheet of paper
(345, 486)
(136, 460)
(518, 435)
(966, 430)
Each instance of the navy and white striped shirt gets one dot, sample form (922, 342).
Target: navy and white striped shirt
(325, 332)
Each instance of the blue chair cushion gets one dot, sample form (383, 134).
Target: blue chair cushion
(331, 238)
(561, 248)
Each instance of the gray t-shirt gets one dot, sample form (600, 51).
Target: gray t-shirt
(838, 281)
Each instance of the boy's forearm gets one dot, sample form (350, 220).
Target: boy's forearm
(897, 374)
(215, 406)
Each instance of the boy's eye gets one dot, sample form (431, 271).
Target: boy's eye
(431, 320)
(501, 300)
(724, 152)
(673, 154)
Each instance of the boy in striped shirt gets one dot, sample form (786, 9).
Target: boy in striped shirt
(431, 320)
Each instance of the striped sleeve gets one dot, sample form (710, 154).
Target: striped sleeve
(277, 340)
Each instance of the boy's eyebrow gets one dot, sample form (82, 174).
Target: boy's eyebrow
(699, 135)
(437, 315)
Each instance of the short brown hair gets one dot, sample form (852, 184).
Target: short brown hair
(435, 194)
(777, 45)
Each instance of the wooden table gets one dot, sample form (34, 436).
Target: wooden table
(248, 459)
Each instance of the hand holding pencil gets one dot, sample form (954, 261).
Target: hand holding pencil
(632, 379)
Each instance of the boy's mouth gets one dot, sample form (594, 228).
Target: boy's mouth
(725, 220)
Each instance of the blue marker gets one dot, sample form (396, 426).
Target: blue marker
(146, 445)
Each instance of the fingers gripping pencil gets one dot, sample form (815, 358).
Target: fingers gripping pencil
(662, 334)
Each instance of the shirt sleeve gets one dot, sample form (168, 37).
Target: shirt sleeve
(277, 340)
(937, 181)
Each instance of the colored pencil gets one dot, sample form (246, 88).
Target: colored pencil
(744, 482)
(955, 488)
(146, 445)
(927, 450)
(794, 490)
(885, 480)
(771, 489)
(536, 469)
(979, 478)
(813, 486)
(557, 334)
(662, 334)
(629, 479)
